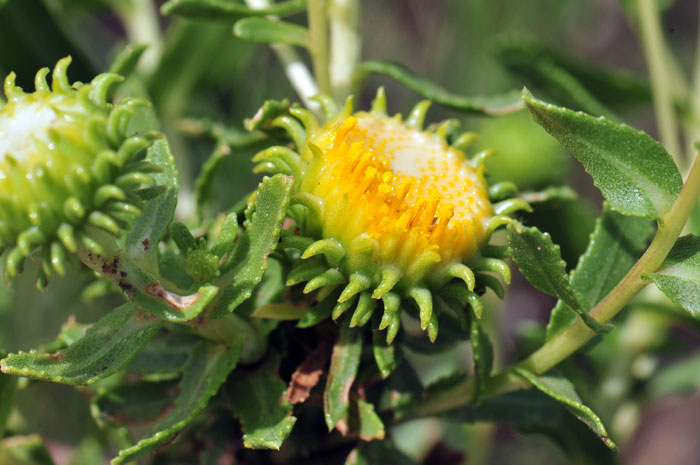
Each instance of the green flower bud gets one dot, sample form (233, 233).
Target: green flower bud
(67, 167)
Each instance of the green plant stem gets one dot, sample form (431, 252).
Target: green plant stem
(140, 20)
(569, 340)
(692, 129)
(294, 68)
(661, 75)
(346, 45)
(318, 43)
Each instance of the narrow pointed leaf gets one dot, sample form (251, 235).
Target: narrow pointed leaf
(483, 356)
(491, 105)
(106, 347)
(267, 31)
(249, 258)
(385, 355)
(126, 61)
(616, 243)
(539, 259)
(226, 10)
(522, 54)
(526, 408)
(679, 276)
(207, 369)
(562, 390)
(364, 422)
(149, 228)
(260, 403)
(344, 364)
(204, 183)
(632, 170)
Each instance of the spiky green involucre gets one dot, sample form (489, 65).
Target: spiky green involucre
(67, 167)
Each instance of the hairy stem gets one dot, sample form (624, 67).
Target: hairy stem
(662, 83)
(346, 45)
(569, 340)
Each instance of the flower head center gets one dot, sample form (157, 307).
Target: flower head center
(22, 125)
(405, 188)
(425, 160)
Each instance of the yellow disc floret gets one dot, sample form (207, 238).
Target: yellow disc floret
(405, 188)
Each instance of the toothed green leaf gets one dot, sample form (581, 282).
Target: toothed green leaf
(106, 347)
(207, 369)
(271, 32)
(227, 10)
(259, 402)
(539, 259)
(632, 170)
(249, 258)
(561, 390)
(491, 105)
(616, 243)
(345, 362)
(679, 276)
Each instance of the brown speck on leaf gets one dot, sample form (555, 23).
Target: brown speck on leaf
(146, 244)
(308, 374)
(57, 357)
(110, 269)
(124, 286)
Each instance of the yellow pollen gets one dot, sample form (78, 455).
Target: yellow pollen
(404, 188)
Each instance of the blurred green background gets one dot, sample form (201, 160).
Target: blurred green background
(203, 82)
